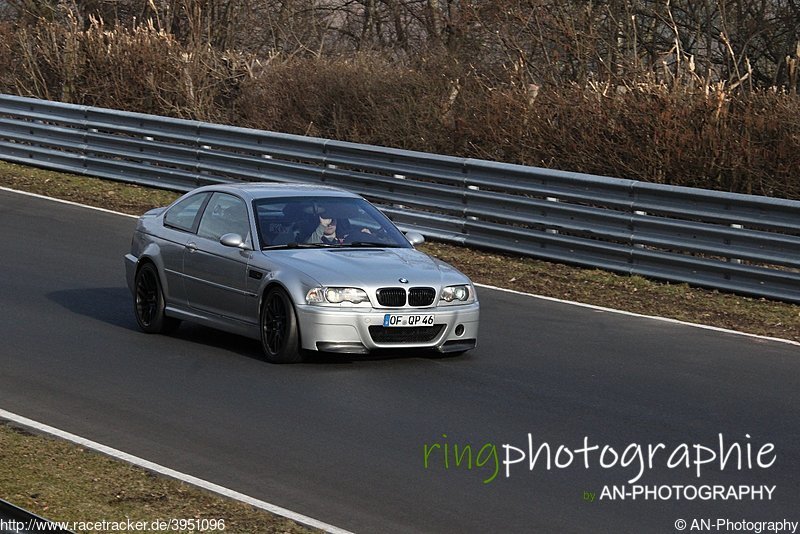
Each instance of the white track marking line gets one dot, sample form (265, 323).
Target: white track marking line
(68, 202)
(533, 295)
(632, 314)
(188, 479)
(145, 463)
(262, 504)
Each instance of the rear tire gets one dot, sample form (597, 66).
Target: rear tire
(280, 336)
(149, 304)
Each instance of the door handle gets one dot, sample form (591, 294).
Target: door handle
(191, 246)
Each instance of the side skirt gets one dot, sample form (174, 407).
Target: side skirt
(219, 322)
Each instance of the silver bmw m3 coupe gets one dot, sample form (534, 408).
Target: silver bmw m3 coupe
(300, 268)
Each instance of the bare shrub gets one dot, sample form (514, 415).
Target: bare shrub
(140, 69)
(362, 98)
(683, 93)
(7, 62)
(714, 139)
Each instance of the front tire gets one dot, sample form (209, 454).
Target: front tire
(280, 337)
(149, 304)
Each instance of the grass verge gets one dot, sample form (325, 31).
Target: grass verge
(64, 482)
(601, 288)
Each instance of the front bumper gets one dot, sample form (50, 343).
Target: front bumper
(357, 330)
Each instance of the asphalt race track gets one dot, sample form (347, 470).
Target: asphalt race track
(344, 440)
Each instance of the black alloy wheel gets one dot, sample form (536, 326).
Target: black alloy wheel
(149, 302)
(280, 338)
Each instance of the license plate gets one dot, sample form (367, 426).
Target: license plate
(407, 320)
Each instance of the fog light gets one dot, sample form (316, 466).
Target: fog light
(460, 330)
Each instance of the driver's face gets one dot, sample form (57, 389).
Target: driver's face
(329, 224)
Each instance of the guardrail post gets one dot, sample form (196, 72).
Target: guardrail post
(728, 242)
(399, 177)
(552, 230)
(471, 188)
(633, 228)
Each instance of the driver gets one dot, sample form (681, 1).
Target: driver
(331, 232)
(325, 232)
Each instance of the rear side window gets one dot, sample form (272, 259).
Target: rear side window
(183, 215)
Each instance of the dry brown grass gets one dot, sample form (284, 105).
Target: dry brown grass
(140, 69)
(683, 130)
(64, 482)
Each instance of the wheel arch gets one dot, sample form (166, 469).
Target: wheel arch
(151, 310)
(271, 284)
(152, 254)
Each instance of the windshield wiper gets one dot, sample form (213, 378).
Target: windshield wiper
(296, 245)
(369, 244)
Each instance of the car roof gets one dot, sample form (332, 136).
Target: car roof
(257, 190)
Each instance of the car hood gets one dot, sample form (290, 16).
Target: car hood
(369, 267)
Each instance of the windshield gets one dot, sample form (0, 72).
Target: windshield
(324, 221)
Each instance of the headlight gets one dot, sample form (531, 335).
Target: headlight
(456, 294)
(336, 295)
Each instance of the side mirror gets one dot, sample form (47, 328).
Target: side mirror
(233, 240)
(415, 238)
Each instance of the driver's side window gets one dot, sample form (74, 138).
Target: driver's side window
(224, 214)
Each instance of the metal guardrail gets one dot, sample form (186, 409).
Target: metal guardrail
(739, 243)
